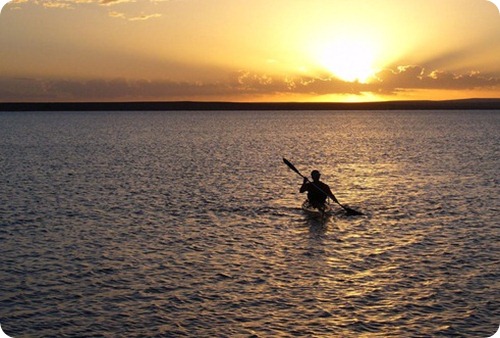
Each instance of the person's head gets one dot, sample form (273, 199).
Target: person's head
(315, 175)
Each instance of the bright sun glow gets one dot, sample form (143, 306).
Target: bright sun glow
(349, 59)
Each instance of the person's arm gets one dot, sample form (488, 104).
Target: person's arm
(331, 195)
(303, 188)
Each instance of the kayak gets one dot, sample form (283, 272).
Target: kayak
(315, 212)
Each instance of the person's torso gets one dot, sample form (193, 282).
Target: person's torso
(317, 191)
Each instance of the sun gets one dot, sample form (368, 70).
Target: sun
(349, 59)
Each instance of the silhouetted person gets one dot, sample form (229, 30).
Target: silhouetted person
(317, 191)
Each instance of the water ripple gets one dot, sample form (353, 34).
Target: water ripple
(188, 224)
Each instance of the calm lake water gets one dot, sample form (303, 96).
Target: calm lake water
(171, 224)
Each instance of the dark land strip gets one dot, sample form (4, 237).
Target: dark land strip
(467, 104)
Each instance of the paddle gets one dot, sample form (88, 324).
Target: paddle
(349, 211)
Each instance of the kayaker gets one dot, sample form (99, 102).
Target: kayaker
(317, 191)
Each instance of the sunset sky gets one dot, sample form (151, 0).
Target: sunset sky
(249, 50)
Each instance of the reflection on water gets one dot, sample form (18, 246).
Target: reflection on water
(189, 224)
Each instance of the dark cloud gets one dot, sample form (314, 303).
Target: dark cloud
(389, 81)
(417, 77)
(239, 85)
(16, 89)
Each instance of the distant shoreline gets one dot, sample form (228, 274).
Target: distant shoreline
(466, 104)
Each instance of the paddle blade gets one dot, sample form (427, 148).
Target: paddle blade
(291, 166)
(351, 212)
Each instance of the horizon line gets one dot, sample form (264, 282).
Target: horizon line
(454, 104)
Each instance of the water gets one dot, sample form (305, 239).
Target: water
(150, 224)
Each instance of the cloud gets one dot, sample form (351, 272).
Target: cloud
(239, 85)
(113, 2)
(388, 81)
(57, 4)
(141, 17)
(26, 89)
(71, 4)
(417, 77)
